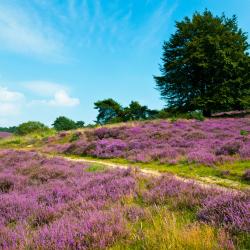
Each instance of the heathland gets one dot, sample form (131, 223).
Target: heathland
(58, 191)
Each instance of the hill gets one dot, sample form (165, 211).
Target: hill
(83, 189)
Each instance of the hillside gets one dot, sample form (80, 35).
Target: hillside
(83, 189)
(215, 150)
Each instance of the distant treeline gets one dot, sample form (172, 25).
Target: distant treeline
(8, 129)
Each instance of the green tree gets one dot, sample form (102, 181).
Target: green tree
(205, 65)
(63, 123)
(8, 129)
(109, 111)
(135, 111)
(80, 124)
(30, 127)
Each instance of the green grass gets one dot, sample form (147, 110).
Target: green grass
(95, 168)
(31, 140)
(171, 227)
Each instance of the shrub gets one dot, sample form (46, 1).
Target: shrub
(63, 123)
(30, 127)
(197, 115)
(228, 210)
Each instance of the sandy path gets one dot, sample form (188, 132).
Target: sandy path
(155, 173)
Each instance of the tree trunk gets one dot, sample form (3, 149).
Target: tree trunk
(207, 112)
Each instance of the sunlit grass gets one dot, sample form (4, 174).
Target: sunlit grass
(162, 229)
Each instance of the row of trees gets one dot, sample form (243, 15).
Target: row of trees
(61, 123)
(110, 111)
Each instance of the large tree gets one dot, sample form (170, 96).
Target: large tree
(206, 65)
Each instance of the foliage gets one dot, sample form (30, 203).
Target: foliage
(80, 124)
(30, 127)
(109, 111)
(63, 123)
(206, 65)
(8, 129)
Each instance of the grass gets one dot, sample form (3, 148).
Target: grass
(95, 168)
(167, 227)
(30, 140)
(162, 229)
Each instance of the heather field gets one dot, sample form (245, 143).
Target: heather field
(52, 203)
(214, 150)
(210, 142)
(218, 149)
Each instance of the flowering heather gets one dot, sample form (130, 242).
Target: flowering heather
(210, 142)
(180, 194)
(52, 203)
(229, 210)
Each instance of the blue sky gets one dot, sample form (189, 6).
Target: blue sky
(60, 56)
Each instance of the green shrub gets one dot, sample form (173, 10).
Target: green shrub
(63, 123)
(197, 115)
(30, 127)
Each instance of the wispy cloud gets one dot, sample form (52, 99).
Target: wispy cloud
(57, 94)
(10, 102)
(22, 31)
(44, 88)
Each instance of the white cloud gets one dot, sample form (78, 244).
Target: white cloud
(62, 99)
(10, 102)
(44, 88)
(58, 94)
(23, 32)
(10, 96)
(7, 109)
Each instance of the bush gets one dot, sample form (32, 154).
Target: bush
(197, 115)
(30, 127)
(63, 123)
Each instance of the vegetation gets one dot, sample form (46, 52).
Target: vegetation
(206, 65)
(30, 127)
(63, 123)
(8, 129)
(109, 111)
(51, 203)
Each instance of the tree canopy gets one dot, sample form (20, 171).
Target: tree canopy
(63, 123)
(110, 111)
(205, 65)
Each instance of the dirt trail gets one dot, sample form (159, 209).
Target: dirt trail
(153, 173)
